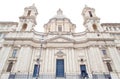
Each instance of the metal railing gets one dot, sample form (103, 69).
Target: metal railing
(71, 76)
(101, 76)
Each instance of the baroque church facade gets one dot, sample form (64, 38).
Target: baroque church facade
(59, 52)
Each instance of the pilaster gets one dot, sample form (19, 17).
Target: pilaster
(4, 56)
(115, 57)
(23, 61)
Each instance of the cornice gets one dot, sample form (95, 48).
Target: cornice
(27, 17)
(110, 24)
(94, 19)
(8, 23)
(54, 45)
(79, 33)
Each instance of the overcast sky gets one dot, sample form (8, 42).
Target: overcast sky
(107, 10)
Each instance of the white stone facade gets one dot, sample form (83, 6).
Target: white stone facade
(95, 47)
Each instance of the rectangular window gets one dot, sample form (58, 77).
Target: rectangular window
(60, 68)
(104, 52)
(29, 12)
(109, 66)
(36, 70)
(10, 67)
(90, 14)
(14, 53)
(83, 71)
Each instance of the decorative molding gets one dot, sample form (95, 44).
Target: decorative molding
(60, 54)
(35, 60)
(102, 46)
(12, 59)
(62, 37)
(81, 59)
(110, 24)
(9, 23)
(106, 59)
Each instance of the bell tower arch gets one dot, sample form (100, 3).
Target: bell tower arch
(28, 20)
(91, 21)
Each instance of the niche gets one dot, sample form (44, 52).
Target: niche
(24, 27)
(94, 27)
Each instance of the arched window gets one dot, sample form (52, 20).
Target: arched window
(10, 67)
(24, 27)
(90, 14)
(94, 27)
(29, 12)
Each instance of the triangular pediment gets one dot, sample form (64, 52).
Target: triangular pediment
(60, 39)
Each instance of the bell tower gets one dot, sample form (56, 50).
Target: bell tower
(91, 21)
(28, 20)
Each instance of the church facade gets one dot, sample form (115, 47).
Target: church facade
(59, 52)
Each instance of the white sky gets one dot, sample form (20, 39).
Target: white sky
(107, 10)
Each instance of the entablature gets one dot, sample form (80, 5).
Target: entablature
(85, 39)
(99, 36)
